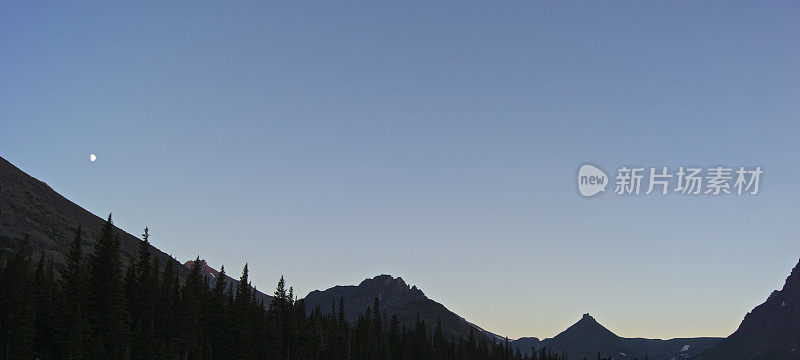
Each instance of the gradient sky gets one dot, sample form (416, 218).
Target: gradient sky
(335, 141)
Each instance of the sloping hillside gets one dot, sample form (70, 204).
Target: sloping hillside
(29, 206)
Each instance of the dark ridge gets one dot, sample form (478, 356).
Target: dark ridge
(770, 331)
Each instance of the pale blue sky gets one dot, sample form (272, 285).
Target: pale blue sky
(335, 141)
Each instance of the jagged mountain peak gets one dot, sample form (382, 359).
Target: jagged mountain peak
(383, 279)
(382, 285)
(203, 266)
(389, 289)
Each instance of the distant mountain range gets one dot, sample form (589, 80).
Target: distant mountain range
(587, 338)
(770, 331)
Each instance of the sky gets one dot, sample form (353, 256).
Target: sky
(438, 141)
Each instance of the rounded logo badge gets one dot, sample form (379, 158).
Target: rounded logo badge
(591, 180)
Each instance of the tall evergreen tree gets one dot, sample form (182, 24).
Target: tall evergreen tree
(142, 306)
(219, 319)
(191, 305)
(241, 318)
(106, 311)
(73, 331)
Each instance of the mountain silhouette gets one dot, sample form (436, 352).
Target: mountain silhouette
(587, 338)
(396, 298)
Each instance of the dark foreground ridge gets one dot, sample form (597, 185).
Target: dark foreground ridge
(31, 207)
(770, 331)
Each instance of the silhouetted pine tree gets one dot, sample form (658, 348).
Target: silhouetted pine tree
(241, 318)
(142, 302)
(219, 319)
(106, 311)
(190, 330)
(73, 331)
(278, 317)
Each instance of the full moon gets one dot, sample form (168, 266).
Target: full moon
(92, 157)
